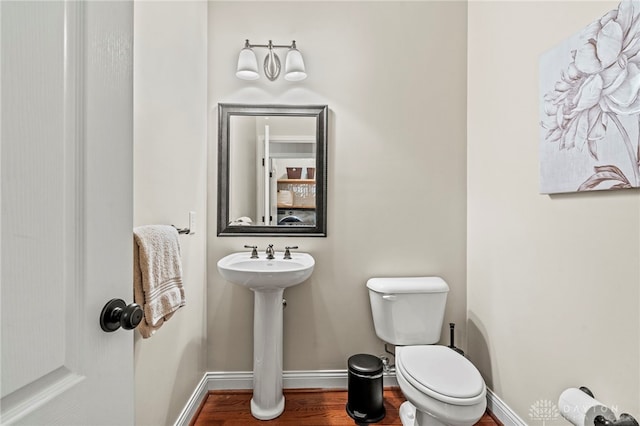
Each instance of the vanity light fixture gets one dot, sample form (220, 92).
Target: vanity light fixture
(293, 65)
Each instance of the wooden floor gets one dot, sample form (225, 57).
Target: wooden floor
(304, 407)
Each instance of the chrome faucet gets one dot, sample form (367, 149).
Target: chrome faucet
(254, 251)
(270, 252)
(287, 252)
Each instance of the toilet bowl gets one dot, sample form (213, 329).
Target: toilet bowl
(441, 387)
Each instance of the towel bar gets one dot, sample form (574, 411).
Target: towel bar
(191, 229)
(182, 231)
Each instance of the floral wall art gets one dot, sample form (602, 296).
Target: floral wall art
(590, 106)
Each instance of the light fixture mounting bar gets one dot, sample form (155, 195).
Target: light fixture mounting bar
(271, 45)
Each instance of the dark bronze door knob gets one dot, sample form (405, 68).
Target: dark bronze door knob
(116, 313)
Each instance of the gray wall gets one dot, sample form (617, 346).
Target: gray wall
(553, 281)
(170, 166)
(394, 77)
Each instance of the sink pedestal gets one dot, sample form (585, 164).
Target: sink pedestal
(268, 401)
(267, 278)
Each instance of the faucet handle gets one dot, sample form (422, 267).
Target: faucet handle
(287, 253)
(254, 251)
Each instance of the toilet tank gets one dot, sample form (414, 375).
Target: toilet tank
(408, 310)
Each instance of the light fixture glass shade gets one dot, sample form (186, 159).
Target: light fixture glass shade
(294, 66)
(247, 65)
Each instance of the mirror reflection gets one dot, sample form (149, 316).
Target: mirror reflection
(272, 170)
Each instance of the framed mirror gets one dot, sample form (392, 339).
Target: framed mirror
(272, 170)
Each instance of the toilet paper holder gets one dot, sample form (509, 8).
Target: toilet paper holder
(624, 419)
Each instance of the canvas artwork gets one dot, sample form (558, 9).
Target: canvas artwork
(590, 106)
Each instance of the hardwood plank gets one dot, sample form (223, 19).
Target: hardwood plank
(303, 407)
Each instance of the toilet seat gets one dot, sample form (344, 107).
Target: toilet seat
(441, 373)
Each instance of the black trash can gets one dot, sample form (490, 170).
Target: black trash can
(365, 402)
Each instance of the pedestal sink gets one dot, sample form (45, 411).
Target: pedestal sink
(267, 279)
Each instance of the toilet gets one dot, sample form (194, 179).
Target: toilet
(441, 386)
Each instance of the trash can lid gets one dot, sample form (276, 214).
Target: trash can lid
(365, 364)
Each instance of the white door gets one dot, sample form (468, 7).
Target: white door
(66, 201)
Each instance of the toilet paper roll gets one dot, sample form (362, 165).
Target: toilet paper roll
(580, 409)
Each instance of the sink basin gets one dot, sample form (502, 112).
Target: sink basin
(263, 274)
(267, 279)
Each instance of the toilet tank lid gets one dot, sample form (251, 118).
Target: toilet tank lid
(393, 285)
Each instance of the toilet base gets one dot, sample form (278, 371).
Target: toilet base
(409, 416)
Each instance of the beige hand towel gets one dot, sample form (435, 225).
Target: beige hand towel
(157, 275)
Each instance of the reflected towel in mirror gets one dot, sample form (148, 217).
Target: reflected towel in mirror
(241, 221)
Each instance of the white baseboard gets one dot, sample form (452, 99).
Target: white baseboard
(502, 411)
(193, 403)
(221, 380)
(325, 379)
(295, 379)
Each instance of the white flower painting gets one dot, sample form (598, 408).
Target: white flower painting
(590, 106)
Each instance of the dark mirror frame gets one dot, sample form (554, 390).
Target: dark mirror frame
(225, 112)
